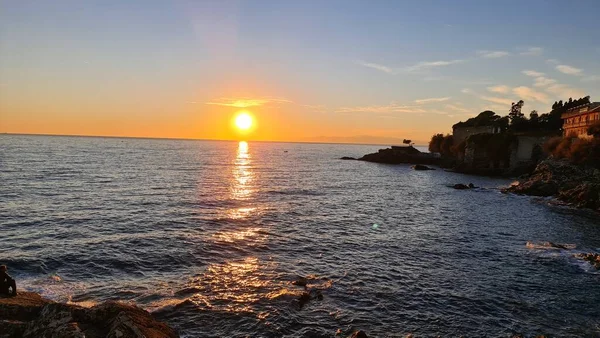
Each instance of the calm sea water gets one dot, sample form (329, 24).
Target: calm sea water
(210, 235)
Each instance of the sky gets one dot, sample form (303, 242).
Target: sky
(316, 71)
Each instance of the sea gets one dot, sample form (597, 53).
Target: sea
(211, 236)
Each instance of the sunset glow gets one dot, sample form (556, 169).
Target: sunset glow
(208, 66)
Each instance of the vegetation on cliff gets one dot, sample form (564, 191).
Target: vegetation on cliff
(575, 150)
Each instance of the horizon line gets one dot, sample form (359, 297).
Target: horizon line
(198, 139)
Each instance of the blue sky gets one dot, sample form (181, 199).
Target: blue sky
(332, 68)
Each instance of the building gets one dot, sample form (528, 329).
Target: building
(461, 133)
(487, 122)
(578, 119)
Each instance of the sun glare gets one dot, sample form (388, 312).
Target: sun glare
(243, 121)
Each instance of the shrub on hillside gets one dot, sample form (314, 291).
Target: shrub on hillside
(575, 150)
(551, 144)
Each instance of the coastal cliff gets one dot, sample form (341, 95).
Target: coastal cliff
(575, 185)
(30, 315)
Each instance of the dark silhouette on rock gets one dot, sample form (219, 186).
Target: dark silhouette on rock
(28, 315)
(421, 167)
(8, 286)
(460, 186)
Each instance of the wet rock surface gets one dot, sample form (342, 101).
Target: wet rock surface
(578, 186)
(421, 167)
(592, 258)
(30, 315)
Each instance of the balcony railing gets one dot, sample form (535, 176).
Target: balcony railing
(579, 124)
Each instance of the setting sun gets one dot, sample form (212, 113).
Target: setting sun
(243, 121)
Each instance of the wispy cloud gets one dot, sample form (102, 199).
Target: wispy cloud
(382, 109)
(527, 93)
(591, 78)
(377, 66)
(316, 108)
(542, 81)
(564, 91)
(532, 51)
(552, 61)
(432, 99)
(492, 54)
(499, 89)
(499, 100)
(457, 108)
(569, 70)
(532, 73)
(431, 64)
(466, 91)
(245, 102)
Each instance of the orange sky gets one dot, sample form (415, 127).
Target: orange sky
(307, 71)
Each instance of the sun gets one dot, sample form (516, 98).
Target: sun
(243, 121)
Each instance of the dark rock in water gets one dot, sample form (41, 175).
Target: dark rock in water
(421, 167)
(347, 158)
(471, 186)
(399, 155)
(359, 334)
(460, 186)
(30, 315)
(550, 245)
(301, 281)
(578, 186)
(307, 296)
(304, 299)
(592, 258)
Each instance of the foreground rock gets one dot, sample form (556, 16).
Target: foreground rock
(30, 315)
(575, 185)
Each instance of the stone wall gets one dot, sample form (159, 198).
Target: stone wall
(528, 150)
(460, 134)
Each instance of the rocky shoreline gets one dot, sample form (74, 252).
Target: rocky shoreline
(574, 185)
(30, 315)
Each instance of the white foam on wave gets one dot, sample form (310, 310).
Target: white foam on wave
(53, 287)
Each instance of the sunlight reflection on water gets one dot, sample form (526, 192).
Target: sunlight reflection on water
(242, 185)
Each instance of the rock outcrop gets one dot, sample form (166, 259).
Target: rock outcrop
(592, 258)
(421, 167)
(400, 155)
(578, 186)
(30, 315)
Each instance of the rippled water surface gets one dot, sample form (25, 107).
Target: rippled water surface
(210, 235)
